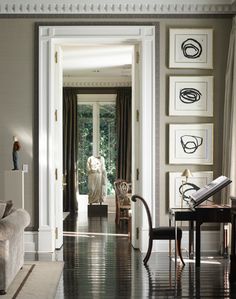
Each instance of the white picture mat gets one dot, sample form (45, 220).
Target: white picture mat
(197, 137)
(201, 41)
(199, 179)
(203, 88)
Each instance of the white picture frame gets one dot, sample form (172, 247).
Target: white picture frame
(198, 180)
(191, 95)
(191, 48)
(191, 143)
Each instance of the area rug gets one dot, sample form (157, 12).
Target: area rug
(36, 280)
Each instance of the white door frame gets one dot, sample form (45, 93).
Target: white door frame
(49, 37)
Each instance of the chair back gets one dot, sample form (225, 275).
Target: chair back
(134, 198)
(121, 189)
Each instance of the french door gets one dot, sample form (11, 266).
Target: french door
(96, 136)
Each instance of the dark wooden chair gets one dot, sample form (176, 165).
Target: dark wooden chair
(159, 233)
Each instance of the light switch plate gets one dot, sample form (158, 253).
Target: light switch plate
(25, 167)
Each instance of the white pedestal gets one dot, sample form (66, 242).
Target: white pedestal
(14, 187)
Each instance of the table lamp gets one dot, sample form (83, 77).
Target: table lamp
(186, 173)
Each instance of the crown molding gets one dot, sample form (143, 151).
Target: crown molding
(96, 82)
(61, 7)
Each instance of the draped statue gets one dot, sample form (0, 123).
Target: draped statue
(97, 179)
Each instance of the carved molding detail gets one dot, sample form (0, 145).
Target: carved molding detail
(120, 7)
(96, 84)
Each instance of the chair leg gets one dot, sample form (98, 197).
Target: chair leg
(118, 215)
(179, 251)
(145, 260)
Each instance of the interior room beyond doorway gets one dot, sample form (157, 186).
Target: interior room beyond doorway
(96, 110)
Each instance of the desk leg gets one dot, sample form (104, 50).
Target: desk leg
(191, 240)
(198, 243)
(225, 240)
(170, 249)
(232, 274)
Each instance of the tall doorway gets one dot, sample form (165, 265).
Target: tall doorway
(52, 38)
(96, 77)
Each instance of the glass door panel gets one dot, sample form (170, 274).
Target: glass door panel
(96, 136)
(107, 142)
(85, 144)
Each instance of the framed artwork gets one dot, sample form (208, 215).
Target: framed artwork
(192, 95)
(191, 144)
(191, 48)
(180, 190)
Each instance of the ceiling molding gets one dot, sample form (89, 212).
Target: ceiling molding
(96, 82)
(47, 7)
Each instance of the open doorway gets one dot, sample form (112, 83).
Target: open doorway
(95, 129)
(51, 39)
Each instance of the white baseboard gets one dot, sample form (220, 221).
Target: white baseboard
(31, 241)
(210, 242)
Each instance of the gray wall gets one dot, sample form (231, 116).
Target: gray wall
(221, 30)
(17, 100)
(18, 112)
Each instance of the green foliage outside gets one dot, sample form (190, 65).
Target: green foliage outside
(85, 144)
(107, 143)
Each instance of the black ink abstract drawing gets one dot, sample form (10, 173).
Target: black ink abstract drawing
(189, 95)
(186, 189)
(190, 143)
(191, 48)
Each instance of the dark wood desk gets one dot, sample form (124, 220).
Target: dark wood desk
(201, 214)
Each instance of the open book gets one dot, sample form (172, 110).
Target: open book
(207, 191)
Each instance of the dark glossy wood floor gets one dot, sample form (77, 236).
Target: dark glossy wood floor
(100, 263)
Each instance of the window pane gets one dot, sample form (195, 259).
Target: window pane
(85, 144)
(107, 142)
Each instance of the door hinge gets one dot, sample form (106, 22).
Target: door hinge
(137, 233)
(137, 174)
(56, 232)
(56, 174)
(64, 183)
(137, 57)
(55, 115)
(137, 115)
(56, 57)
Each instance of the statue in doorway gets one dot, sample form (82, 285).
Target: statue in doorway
(15, 154)
(97, 179)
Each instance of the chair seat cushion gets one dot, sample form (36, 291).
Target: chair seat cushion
(166, 233)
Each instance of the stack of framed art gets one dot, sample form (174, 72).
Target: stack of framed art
(190, 143)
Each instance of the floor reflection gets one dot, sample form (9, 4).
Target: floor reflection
(100, 264)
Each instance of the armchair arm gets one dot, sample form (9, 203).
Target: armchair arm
(13, 223)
